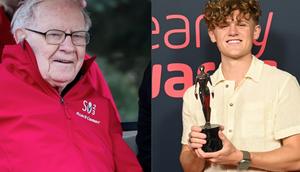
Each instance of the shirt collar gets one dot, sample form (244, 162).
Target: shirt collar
(218, 76)
(254, 72)
(255, 69)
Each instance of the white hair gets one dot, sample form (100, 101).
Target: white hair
(25, 15)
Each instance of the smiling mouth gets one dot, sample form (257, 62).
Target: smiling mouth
(234, 41)
(63, 61)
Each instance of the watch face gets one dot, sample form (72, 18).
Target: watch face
(244, 164)
(243, 161)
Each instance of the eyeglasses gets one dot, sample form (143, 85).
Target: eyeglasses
(56, 37)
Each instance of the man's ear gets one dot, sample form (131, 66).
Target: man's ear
(211, 35)
(20, 35)
(256, 33)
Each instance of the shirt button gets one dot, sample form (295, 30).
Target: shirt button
(231, 104)
(230, 130)
(226, 85)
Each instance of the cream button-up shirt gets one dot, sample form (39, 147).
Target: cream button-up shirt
(256, 115)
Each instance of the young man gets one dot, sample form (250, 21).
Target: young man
(257, 104)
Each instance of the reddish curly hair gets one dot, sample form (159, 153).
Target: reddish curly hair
(217, 12)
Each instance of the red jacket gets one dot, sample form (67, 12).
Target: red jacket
(43, 131)
(98, 81)
(5, 35)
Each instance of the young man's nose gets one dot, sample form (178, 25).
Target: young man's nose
(233, 30)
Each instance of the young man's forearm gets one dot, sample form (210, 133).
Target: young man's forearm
(285, 158)
(189, 160)
(282, 159)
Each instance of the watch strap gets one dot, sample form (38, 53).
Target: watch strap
(244, 164)
(246, 155)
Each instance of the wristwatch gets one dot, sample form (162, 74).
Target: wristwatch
(244, 164)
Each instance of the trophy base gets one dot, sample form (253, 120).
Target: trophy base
(213, 142)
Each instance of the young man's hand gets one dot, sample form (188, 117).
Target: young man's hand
(228, 155)
(196, 140)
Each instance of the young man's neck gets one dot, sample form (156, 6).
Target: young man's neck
(235, 69)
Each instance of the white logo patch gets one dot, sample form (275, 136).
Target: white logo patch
(89, 108)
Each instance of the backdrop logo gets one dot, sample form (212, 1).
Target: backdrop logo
(186, 29)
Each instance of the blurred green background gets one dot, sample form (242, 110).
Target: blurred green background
(120, 38)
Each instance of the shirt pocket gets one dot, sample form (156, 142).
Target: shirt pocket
(252, 117)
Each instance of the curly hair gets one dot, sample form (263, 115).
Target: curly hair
(217, 11)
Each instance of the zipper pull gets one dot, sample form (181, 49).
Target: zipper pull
(62, 100)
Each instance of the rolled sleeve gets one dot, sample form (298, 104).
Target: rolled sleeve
(287, 121)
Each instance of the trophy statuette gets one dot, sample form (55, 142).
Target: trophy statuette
(213, 142)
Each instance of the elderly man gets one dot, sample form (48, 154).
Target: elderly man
(52, 117)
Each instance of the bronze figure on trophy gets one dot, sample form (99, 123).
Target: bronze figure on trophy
(213, 142)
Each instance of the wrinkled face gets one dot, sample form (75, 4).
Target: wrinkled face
(58, 64)
(234, 39)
